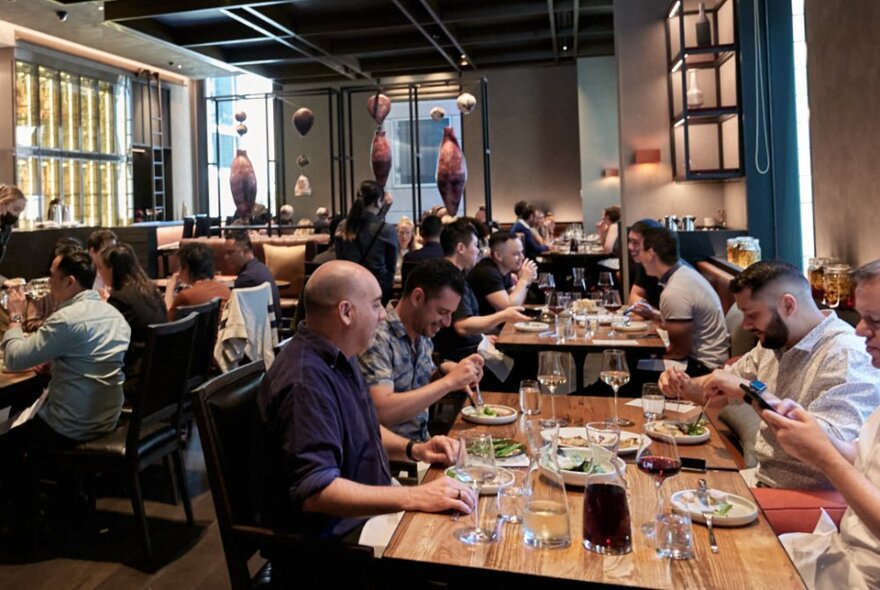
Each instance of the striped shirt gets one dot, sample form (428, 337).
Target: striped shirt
(829, 373)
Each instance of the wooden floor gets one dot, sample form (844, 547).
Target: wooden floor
(103, 550)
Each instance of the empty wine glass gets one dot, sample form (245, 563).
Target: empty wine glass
(606, 281)
(475, 466)
(661, 461)
(615, 372)
(552, 372)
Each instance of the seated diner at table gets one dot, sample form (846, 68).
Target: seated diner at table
(804, 355)
(196, 275)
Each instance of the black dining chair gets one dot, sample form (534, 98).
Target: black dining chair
(153, 429)
(226, 413)
(206, 336)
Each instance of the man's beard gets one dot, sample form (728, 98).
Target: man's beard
(776, 334)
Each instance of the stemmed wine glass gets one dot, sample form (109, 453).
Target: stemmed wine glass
(552, 372)
(475, 466)
(606, 281)
(661, 462)
(611, 302)
(615, 372)
(547, 284)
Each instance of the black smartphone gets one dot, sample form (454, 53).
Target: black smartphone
(532, 312)
(693, 464)
(752, 395)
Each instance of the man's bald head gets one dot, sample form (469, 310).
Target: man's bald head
(334, 281)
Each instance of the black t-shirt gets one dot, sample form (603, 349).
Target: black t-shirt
(648, 283)
(447, 343)
(486, 278)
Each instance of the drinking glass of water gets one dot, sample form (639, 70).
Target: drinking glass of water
(653, 402)
(529, 397)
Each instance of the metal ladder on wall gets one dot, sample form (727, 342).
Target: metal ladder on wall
(156, 141)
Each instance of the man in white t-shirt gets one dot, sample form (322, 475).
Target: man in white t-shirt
(690, 309)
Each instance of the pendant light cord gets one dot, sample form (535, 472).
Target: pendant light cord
(760, 99)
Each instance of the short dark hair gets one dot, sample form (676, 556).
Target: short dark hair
(520, 207)
(760, 275)
(528, 211)
(197, 259)
(432, 276)
(98, 237)
(455, 233)
(66, 244)
(500, 238)
(431, 227)
(866, 272)
(642, 224)
(78, 264)
(613, 213)
(663, 242)
(241, 238)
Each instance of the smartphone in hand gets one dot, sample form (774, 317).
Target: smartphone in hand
(754, 398)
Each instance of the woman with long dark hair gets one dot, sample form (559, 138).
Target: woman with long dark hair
(367, 239)
(137, 299)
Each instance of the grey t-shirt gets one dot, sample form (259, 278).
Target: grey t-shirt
(688, 296)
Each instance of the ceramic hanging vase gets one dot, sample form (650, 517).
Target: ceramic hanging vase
(694, 94)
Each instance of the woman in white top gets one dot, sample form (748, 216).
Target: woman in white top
(849, 558)
(608, 232)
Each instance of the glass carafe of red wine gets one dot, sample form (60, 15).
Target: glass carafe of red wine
(546, 522)
(607, 527)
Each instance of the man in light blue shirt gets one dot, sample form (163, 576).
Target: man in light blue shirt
(85, 340)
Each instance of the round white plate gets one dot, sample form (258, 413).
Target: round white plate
(679, 440)
(503, 479)
(743, 512)
(629, 441)
(506, 415)
(578, 478)
(531, 326)
(630, 327)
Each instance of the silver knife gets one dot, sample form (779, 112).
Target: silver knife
(708, 513)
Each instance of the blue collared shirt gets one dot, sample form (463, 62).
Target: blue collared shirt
(320, 424)
(395, 361)
(86, 340)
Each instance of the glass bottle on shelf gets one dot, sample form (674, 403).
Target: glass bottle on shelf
(704, 29)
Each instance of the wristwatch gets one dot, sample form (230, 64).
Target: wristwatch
(16, 319)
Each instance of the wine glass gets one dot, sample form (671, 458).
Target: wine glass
(475, 466)
(661, 462)
(554, 302)
(547, 284)
(611, 302)
(606, 281)
(615, 372)
(553, 372)
(653, 402)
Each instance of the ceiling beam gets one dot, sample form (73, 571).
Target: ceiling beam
(425, 33)
(574, 25)
(552, 15)
(430, 10)
(121, 10)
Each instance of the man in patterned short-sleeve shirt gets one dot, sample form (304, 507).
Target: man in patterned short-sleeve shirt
(398, 367)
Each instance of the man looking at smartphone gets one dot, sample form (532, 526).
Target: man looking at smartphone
(850, 558)
(805, 355)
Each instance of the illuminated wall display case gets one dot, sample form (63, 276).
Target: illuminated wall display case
(71, 145)
(702, 48)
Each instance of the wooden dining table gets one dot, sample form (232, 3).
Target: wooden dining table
(645, 342)
(423, 548)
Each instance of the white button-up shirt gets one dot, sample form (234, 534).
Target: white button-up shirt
(830, 374)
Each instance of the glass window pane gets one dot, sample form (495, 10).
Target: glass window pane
(89, 95)
(27, 113)
(70, 122)
(107, 106)
(91, 189)
(48, 108)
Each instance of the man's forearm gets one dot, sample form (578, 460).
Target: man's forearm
(478, 324)
(860, 493)
(345, 498)
(394, 408)
(395, 445)
(519, 292)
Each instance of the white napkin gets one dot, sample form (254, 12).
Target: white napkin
(378, 530)
(614, 343)
(670, 406)
(496, 361)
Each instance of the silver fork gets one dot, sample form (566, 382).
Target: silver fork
(708, 513)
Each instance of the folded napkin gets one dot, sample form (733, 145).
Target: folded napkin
(669, 407)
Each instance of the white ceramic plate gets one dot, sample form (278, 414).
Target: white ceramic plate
(578, 478)
(531, 326)
(681, 439)
(506, 415)
(630, 327)
(503, 479)
(629, 441)
(744, 511)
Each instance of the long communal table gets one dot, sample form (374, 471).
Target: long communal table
(424, 551)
